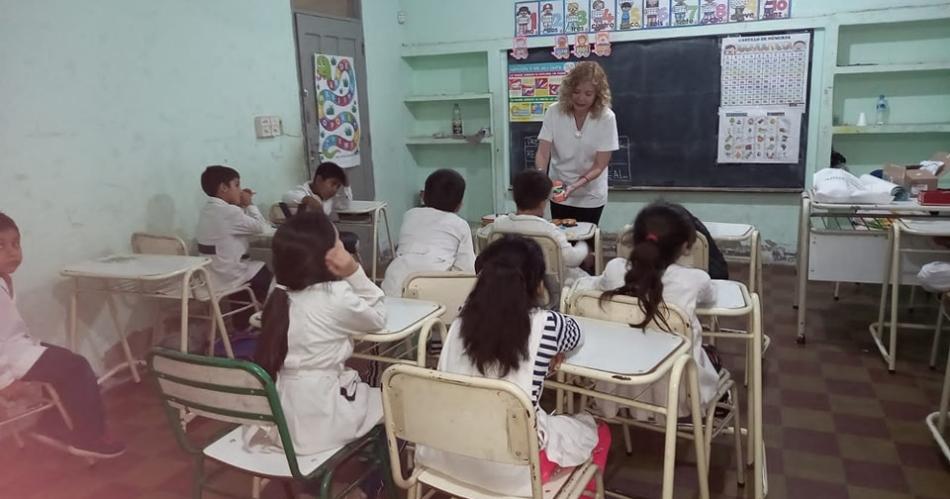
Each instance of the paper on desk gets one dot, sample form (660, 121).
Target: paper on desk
(833, 185)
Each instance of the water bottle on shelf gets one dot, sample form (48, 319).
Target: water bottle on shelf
(456, 121)
(881, 111)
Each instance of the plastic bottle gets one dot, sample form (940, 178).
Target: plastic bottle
(456, 120)
(881, 111)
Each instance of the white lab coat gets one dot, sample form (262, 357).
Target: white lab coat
(429, 240)
(684, 287)
(573, 255)
(18, 350)
(567, 440)
(323, 320)
(229, 229)
(295, 196)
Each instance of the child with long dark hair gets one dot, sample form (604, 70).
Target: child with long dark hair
(662, 233)
(321, 300)
(503, 333)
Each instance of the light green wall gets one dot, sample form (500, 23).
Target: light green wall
(112, 108)
(439, 26)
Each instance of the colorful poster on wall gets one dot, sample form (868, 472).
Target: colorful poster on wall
(630, 14)
(713, 11)
(552, 17)
(759, 135)
(656, 13)
(683, 12)
(765, 70)
(602, 15)
(526, 18)
(743, 10)
(576, 18)
(338, 112)
(532, 88)
(775, 9)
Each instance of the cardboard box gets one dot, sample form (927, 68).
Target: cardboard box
(915, 180)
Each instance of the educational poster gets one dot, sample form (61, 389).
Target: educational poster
(576, 19)
(552, 17)
(743, 10)
(337, 109)
(765, 70)
(532, 88)
(630, 14)
(683, 12)
(759, 135)
(601, 15)
(526, 18)
(775, 9)
(656, 13)
(713, 11)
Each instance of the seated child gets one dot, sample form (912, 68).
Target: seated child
(319, 194)
(321, 300)
(23, 358)
(433, 237)
(502, 333)
(531, 190)
(226, 223)
(718, 268)
(661, 235)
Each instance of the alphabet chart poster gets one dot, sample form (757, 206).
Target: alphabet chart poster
(759, 135)
(765, 70)
(630, 14)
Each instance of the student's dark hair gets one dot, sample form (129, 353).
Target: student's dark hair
(216, 175)
(299, 247)
(444, 190)
(660, 232)
(328, 170)
(530, 188)
(496, 317)
(7, 223)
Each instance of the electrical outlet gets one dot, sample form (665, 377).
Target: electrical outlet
(276, 126)
(267, 126)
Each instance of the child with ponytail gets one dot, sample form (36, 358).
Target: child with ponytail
(661, 235)
(503, 333)
(321, 300)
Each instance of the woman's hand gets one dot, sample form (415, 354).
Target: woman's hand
(340, 262)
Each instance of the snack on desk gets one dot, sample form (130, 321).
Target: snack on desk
(488, 219)
(564, 222)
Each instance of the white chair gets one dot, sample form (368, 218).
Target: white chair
(30, 399)
(450, 289)
(156, 244)
(480, 418)
(697, 257)
(553, 261)
(626, 310)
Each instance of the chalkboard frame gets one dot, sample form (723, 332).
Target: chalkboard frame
(760, 178)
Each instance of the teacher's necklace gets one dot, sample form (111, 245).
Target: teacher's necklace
(579, 130)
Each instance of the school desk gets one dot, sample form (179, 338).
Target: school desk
(742, 234)
(583, 231)
(616, 353)
(404, 318)
(937, 421)
(169, 277)
(368, 214)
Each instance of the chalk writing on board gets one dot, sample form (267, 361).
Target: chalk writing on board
(618, 170)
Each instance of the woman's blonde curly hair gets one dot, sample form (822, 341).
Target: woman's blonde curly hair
(587, 71)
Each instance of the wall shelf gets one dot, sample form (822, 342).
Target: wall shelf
(447, 97)
(892, 68)
(432, 141)
(902, 128)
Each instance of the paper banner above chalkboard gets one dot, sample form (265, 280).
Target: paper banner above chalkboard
(555, 17)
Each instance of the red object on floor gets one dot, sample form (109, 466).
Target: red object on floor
(599, 456)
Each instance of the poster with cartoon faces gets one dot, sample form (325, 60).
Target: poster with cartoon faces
(656, 13)
(629, 15)
(526, 18)
(713, 11)
(602, 15)
(683, 12)
(743, 10)
(775, 9)
(576, 17)
(551, 17)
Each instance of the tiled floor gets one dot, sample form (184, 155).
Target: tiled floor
(837, 424)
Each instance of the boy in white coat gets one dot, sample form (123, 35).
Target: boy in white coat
(434, 237)
(531, 190)
(227, 222)
(320, 194)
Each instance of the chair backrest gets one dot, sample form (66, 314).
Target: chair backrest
(626, 309)
(449, 289)
(157, 244)
(426, 407)
(229, 390)
(553, 261)
(697, 257)
(279, 212)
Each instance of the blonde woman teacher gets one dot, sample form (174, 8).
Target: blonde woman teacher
(577, 137)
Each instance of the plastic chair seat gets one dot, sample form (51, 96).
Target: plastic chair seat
(271, 462)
